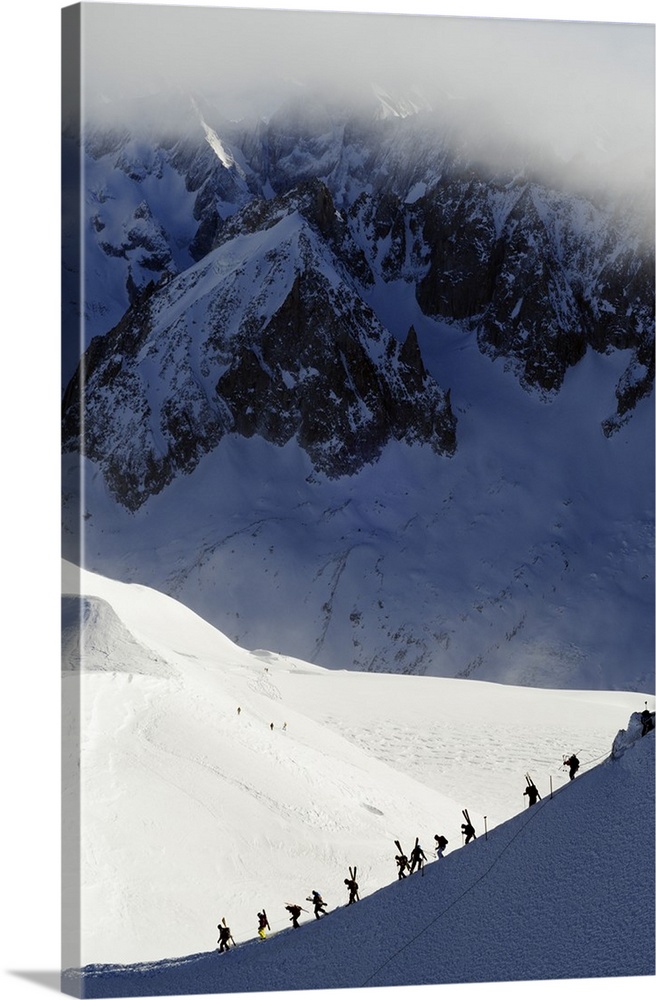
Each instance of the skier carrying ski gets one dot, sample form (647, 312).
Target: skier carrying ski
(318, 903)
(352, 887)
(402, 863)
(533, 794)
(469, 831)
(225, 937)
(295, 913)
(440, 844)
(573, 763)
(417, 858)
(262, 924)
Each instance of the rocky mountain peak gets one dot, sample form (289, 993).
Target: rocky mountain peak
(305, 359)
(410, 355)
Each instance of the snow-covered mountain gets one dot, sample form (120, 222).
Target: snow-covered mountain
(368, 389)
(199, 775)
(476, 223)
(212, 781)
(283, 348)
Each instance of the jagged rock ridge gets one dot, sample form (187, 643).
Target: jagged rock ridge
(266, 335)
(536, 273)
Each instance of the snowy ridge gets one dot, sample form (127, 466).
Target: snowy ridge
(192, 810)
(398, 106)
(225, 158)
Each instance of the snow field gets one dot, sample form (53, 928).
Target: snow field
(191, 811)
(563, 892)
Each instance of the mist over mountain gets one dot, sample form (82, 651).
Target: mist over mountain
(581, 91)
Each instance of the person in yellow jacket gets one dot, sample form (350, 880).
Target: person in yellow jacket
(262, 924)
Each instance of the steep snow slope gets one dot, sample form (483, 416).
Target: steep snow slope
(192, 810)
(564, 891)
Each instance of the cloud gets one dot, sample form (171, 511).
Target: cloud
(583, 89)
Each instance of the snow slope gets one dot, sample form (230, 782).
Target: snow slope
(564, 891)
(191, 811)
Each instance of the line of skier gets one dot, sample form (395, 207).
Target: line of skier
(271, 726)
(415, 862)
(406, 864)
(294, 910)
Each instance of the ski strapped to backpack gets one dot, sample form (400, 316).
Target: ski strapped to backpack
(223, 936)
(467, 827)
(401, 860)
(352, 886)
(531, 784)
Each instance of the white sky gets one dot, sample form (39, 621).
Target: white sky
(228, 49)
(30, 88)
(549, 79)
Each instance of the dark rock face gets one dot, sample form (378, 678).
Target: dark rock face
(315, 378)
(144, 245)
(460, 279)
(636, 383)
(108, 396)
(533, 292)
(318, 367)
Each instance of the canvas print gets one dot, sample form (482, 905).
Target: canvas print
(357, 500)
